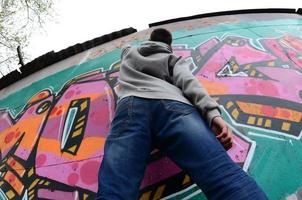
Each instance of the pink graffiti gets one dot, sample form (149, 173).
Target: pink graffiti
(287, 63)
(59, 165)
(5, 120)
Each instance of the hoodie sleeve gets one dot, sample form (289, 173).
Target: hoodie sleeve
(194, 91)
(125, 50)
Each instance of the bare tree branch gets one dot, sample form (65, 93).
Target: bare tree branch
(18, 20)
(7, 59)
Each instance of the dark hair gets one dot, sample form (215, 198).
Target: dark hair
(161, 35)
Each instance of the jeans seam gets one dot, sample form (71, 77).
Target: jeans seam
(125, 122)
(130, 110)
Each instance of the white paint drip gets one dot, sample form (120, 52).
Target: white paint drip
(249, 156)
(265, 136)
(251, 151)
(61, 125)
(25, 196)
(76, 195)
(85, 57)
(180, 192)
(110, 101)
(192, 195)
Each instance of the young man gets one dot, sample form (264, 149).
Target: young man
(162, 105)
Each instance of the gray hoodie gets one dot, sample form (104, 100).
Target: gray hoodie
(152, 71)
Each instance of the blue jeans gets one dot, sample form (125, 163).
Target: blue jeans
(180, 133)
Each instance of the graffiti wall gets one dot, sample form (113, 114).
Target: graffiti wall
(53, 129)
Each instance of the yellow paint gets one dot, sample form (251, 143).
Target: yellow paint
(260, 121)
(84, 105)
(33, 184)
(45, 106)
(31, 197)
(74, 103)
(271, 64)
(1, 183)
(268, 123)
(81, 118)
(229, 104)
(247, 67)
(77, 132)
(235, 68)
(41, 182)
(253, 73)
(285, 126)
(10, 194)
(235, 113)
(47, 183)
(79, 125)
(85, 196)
(145, 196)
(73, 148)
(30, 172)
(251, 120)
(159, 192)
(186, 180)
(31, 192)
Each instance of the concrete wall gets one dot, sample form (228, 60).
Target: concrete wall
(54, 123)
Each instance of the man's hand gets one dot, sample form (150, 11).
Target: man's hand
(223, 132)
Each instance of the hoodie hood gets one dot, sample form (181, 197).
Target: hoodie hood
(151, 47)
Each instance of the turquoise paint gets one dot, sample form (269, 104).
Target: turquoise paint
(17, 100)
(68, 124)
(198, 194)
(2, 195)
(276, 164)
(252, 30)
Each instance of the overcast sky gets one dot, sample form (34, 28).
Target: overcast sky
(80, 20)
